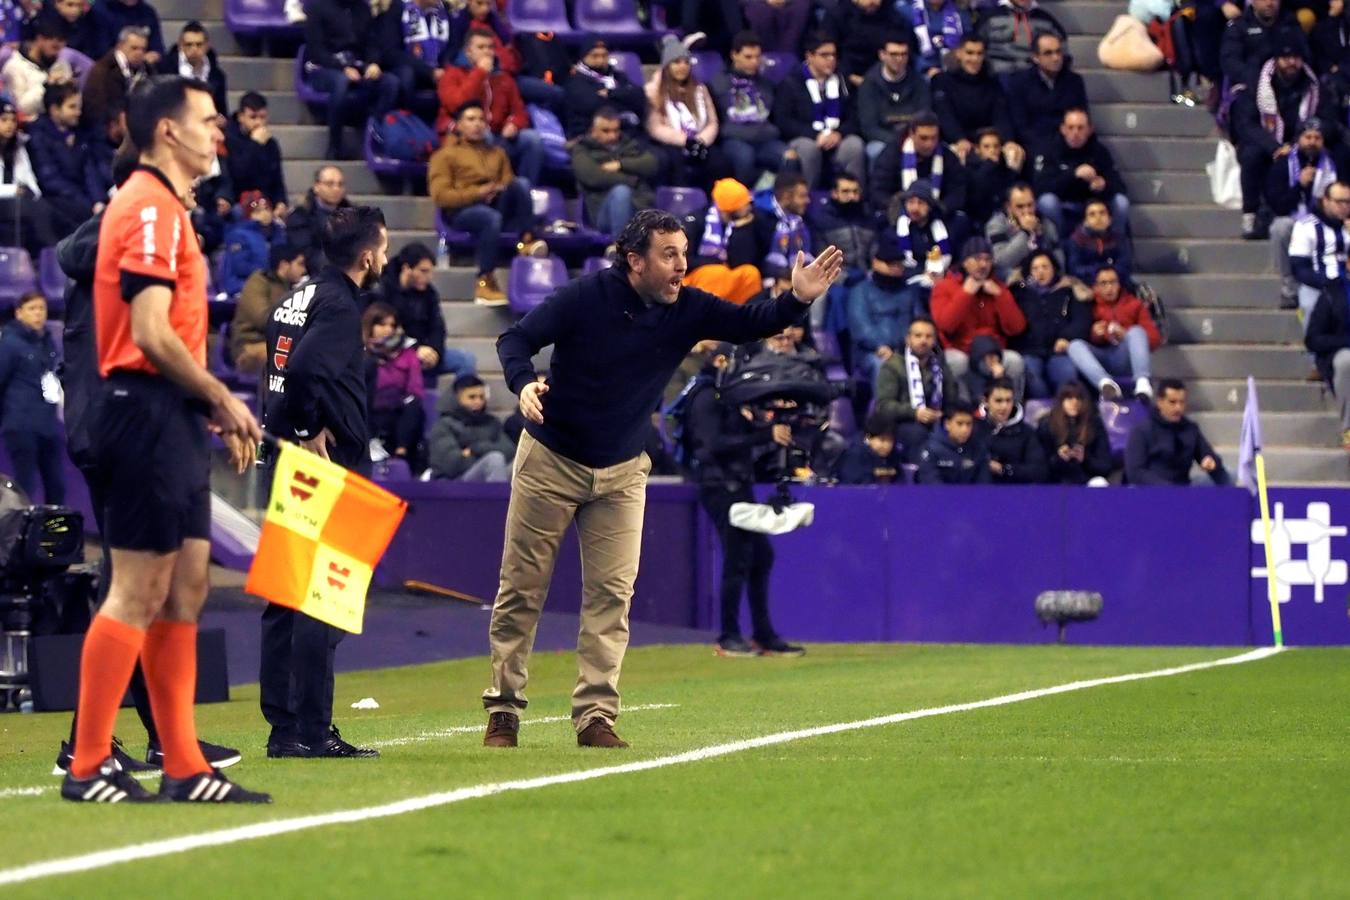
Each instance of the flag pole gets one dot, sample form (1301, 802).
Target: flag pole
(1271, 591)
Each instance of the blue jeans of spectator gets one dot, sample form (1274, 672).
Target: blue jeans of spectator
(453, 362)
(1047, 374)
(748, 160)
(1066, 216)
(616, 210)
(512, 210)
(526, 152)
(38, 463)
(874, 149)
(542, 93)
(375, 97)
(1128, 358)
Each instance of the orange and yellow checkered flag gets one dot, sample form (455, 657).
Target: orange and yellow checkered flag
(325, 530)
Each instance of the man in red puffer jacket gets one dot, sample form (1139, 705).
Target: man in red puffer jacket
(508, 119)
(971, 302)
(1122, 337)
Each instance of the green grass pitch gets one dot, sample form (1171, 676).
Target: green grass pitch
(1227, 782)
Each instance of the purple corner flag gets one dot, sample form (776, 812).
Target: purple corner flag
(1250, 443)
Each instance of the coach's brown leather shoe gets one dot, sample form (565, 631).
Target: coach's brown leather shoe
(502, 730)
(600, 733)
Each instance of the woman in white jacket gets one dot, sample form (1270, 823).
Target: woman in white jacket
(25, 220)
(682, 121)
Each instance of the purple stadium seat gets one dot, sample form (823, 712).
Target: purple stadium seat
(708, 65)
(682, 201)
(1120, 419)
(303, 90)
(628, 63)
(17, 276)
(57, 329)
(461, 240)
(596, 264)
(532, 280)
(51, 280)
(219, 361)
(1034, 410)
(391, 470)
(79, 64)
(527, 16)
(260, 18)
(429, 400)
(776, 66)
(614, 20)
(5, 53)
(842, 420)
(387, 166)
(550, 207)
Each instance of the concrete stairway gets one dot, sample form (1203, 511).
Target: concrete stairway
(1218, 289)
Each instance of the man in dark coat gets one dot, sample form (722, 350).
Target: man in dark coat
(1077, 168)
(969, 98)
(193, 57)
(1162, 448)
(1040, 94)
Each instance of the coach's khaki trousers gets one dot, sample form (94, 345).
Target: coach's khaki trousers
(549, 491)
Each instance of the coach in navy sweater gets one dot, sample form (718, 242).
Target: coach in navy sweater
(617, 338)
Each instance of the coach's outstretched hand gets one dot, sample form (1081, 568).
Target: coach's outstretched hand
(531, 406)
(809, 282)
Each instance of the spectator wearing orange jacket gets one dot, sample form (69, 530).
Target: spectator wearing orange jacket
(1122, 337)
(481, 80)
(971, 302)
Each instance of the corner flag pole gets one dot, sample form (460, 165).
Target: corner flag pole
(1271, 591)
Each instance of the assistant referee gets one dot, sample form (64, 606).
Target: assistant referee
(151, 446)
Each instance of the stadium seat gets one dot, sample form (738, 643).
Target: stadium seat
(1120, 417)
(430, 397)
(818, 201)
(387, 166)
(614, 20)
(596, 264)
(259, 18)
(708, 65)
(682, 201)
(528, 16)
(452, 238)
(551, 208)
(307, 94)
(391, 470)
(627, 62)
(532, 280)
(1034, 410)
(776, 66)
(51, 280)
(78, 62)
(17, 276)
(842, 419)
(545, 123)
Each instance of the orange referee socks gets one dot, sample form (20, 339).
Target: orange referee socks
(106, 663)
(170, 663)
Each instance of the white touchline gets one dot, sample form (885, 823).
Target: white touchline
(151, 849)
(419, 738)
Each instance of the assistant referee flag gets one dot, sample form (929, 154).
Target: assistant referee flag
(325, 531)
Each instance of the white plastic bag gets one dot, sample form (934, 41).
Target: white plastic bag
(1225, 178)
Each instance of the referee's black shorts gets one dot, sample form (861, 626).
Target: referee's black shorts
(154, 455)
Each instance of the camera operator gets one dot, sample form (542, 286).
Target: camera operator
(726, 443)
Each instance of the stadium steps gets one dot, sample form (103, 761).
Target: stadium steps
(1220, 291)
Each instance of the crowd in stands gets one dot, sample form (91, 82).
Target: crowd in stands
(947, 148)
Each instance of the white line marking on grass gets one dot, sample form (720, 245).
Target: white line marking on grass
(89, 861)
(420, 737)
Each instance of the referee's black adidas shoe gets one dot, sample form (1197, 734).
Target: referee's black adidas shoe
(334, 747)
(109, 785)
(216, 756)
(208, 787)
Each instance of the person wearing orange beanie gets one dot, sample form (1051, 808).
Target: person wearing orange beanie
(729, 246)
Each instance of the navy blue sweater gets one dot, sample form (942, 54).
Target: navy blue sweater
(25, 356)
(613, 355)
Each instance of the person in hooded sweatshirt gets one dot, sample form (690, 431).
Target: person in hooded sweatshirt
(1073, 436)
(1162, 448)
(248, 241)
(1015, 452)
(873, 458)
(1057, 312)
(30, 397)
(467, 442)
(951, 455)
(1096, 243)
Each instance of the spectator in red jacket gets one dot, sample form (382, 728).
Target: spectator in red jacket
(508, 121)
(1122, 337)
(971, 302)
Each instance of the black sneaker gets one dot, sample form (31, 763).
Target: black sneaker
(124, 761)
(287, 748)
(334, 747)
(110, 785)
(217, 756)
(779, 647)
(733, 647)
(208, 787)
